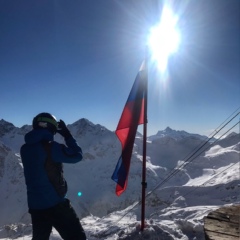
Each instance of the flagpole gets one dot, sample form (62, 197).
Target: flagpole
(144, 183)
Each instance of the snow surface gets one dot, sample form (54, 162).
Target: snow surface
(174, 209)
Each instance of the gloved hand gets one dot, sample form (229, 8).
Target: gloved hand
(63, 130)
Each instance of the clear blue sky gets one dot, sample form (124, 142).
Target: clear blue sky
(79, 58)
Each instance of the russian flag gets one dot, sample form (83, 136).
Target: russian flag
(132, 116)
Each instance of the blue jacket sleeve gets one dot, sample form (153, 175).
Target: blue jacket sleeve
(69, 153)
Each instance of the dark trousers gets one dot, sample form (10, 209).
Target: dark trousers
(62, 217)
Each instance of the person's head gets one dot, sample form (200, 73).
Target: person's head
(45, 121)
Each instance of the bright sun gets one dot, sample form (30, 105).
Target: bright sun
(164, 39)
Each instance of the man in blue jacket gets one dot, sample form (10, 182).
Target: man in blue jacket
(42, 160)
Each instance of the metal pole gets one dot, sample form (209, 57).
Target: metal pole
(144, 183)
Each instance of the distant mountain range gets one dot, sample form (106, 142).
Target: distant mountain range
(167, 151)
(177, 135)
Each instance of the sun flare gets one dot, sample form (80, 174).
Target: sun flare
(164, 39)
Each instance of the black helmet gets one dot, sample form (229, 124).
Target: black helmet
(45, 120)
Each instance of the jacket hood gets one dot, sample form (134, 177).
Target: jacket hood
(38, 135)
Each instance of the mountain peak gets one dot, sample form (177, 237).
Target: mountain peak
(232, 134)
(82, 122)
(83, 126)
(175, 134)
(3, 122)
(168, 129)
(5, 127)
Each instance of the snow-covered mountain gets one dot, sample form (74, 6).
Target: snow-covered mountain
(174, 207)
(177, 135)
